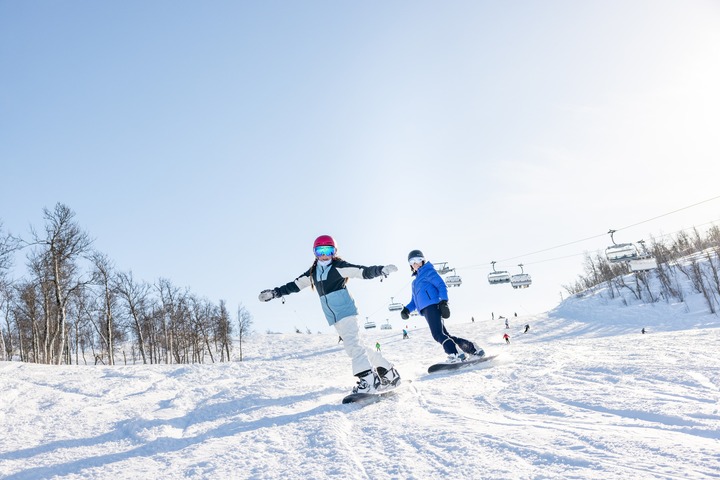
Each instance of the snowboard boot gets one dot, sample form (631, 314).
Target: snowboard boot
(456, 358)
(389, 378)
(368, 383)
(479, 352)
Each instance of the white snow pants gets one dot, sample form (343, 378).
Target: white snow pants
(363, 358)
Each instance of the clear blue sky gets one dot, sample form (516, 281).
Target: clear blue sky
(211, 142)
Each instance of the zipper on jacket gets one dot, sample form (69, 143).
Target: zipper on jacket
(323, 297)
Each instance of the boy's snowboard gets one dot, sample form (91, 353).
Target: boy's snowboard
(442, 367)
(374, 397)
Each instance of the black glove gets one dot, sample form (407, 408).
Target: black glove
(405, 313)
(444, 309)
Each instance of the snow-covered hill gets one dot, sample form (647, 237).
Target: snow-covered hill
(583, 394)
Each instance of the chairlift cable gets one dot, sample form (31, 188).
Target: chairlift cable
(384, 305)
(594, 236)
(670, 213)
(584, 253)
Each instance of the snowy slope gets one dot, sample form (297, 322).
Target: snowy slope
(582, 395)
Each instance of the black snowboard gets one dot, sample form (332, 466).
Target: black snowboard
(442, 367)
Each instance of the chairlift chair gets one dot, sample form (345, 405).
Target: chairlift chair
(643, 264)
(453, 280)
(497, 277)
(386, 325)
(521, 280)
(395, 306)
(442, 268)
(620, 252)
(369, 324)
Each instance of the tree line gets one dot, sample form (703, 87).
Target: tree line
(75, 307)
(685, 259)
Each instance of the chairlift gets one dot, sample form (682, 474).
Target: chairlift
(645, 261)
(386, 325)
(497, 277)
(369, 324)
(442, 268)
(620, 252)
(395, 306)
(453, 281)
(642, 264)
(521, 280)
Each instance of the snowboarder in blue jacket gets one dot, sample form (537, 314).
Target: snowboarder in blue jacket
(329, 275)
(430, 298)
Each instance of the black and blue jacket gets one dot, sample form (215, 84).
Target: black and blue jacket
(330, 282)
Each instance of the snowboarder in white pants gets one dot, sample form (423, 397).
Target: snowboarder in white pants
(329, 275)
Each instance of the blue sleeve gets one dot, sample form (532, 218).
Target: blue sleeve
(439, 283)
(411, 306)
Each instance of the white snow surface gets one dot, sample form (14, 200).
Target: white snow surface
(582, 395)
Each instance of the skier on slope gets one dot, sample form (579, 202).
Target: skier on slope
(329, 274)
(430, 298)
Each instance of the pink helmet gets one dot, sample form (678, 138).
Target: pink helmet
(323, 241)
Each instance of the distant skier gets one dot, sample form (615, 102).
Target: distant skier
(507, 325)
(643, 331)
(527, 327)
(339, 339)
(329, 274)
(430, 298)
(507, 338)
(405, 334)
(377, 346)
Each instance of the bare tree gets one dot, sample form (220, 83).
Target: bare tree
(6, 339)
(245, 321)
(7, 246)
(169, 297)
(85, 313)
(135, 296)
(223, 330)
(37, 299)
(699, 281)
(64, 244)
(103, 276)
(201, 315)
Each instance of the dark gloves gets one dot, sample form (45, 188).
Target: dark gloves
(405, 313)
(444, 309)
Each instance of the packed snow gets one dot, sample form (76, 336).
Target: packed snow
(583, 394)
